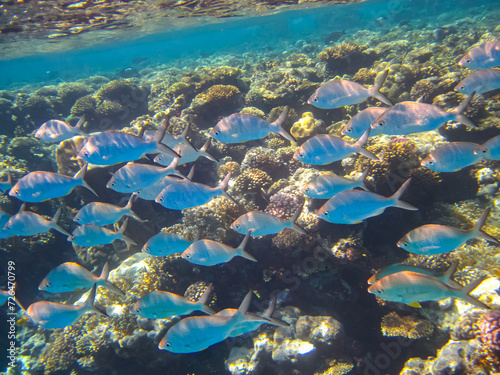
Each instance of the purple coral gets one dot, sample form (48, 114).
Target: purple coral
(489, 330)
(283, 205)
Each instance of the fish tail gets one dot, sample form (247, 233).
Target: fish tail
(447, 277)
(278, 123)
(184, 139)
(128, 207)
(362, 179)
(358, 146)
(80, 178)
(203, 150)
(293, 225)
(103, 281)
(478, 233)
(242, 310)
(89, 303)
(458, 110)
(79, 125)
(56, 226)
(160, 147)
(375, 89)
(204, 299)
(241, 248)
(397, 196)
(223, 187)
(269, 312)
(122, 235)
(466, 290)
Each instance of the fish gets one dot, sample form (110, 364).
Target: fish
(210, 253)
(57, 131)
(4, 218)
(5, 295)
(413, 287)
(439, 34)
(452, 157)
(133, 177)
(326, 186)
(361, 122)
(165, 244)
(186, 194)
(325, 149)
(490, 149)
(40, 186)
(484, 56)
(338, 93)
(6, 185)
(481, 81)
(197, 333)
(162, 305)
(414, 117)
(26, 223)
(238, 128)
(99, 213)
(354, 206)
(51, 315)
(262, 223)
(111, 147)
(168, 139)
(92, 235)
(187, 152)
(431, 239)
(70, 276)
(150, 193)
(446, 278)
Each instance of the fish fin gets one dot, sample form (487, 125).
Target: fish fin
(160, 147)
(22, 208)
(461, 107)
(203, 151)
(80, 175)
(278, 123)
(241, 248)
(79, 125)
(478, 233)
(190, 174)
(184, 139)
(363, 177)
(122, 235)
(105, 272)
(296, 227)
(142, 129)
(113, 288)
(56, 226)
(361, 142)
(375, 89)
(128, 206)
(415, 304)
(89, 303)
(204, 299)
(242, 310)
(223, 187)
(447, 277)
(103, 281)
(269, 312)
(466, 290)
(397, 196)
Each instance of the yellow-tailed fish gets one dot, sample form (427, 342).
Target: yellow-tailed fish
(186, 194)
(452, 157)
(26, 223)
(99, 213)
(187, 152)
(111, 147)
(337, 93)
(7, 184)
(490, 149)
(51, 315)
(57, 131)
(193, 334)
(262, 223)
(484, 56)
(210, 253)
(165, 244)
(326, 186)
(395, 268)
(239, 128)
(414, 117)
(360, 123)
(40, 186)
(325, 149)
(161, 305)
(431, 239)
(133, 177)
(412, 288)
(92, 235)
(354, 206)
(70, 276)
(481, 81)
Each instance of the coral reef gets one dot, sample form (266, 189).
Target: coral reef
(346, 57)
(306, 127)
(216, 97)
(408, 326)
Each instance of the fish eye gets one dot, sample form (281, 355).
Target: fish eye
(86, 153)
(217, 132)
(405, 244)
(468, 60)
(161, 199)
(167, 345)
(237, 225)
(301, 154)
(381, 123)
(325, 213)
(8, 226)
(16, 191)
(315, 99)
(379, 291)
(348, 130)
(47, 284)
(430, 162)
(138, 310)
(112, 184)
(146, 248)
(462, 87)
(187, 256)
(306, 190)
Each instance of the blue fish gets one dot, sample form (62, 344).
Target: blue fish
(239, 128)
(360, 122)
(484, 56)
(481, 81)
(165, 244)
(40, 186)
(187, 152)
(338, 93)
(92, 235)
(57, 131)
(326, 186)
(452, 157)
(262, 223)
(99, 213)
(26, 223)
(490, 149)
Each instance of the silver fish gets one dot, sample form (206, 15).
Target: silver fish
(431, 239)
(92, 235)
(150, 193)
(481, 81)
(452, 157)
(187, 152)
(490, 149)
(165, 244)
(69, 276)
(99, 213)
(326, 186)
(484, 56)
(361, 122)
(161, 305)
(51, 315)
(26, 223)
(185, 194)
(40, 186)
(337, 93)
(325, 149)
(210, 253)
(239, 128)
(6, 185)
(168, 139)
(57, 131)
(414, 117)
(262, 223)
(354, 206)
(111, 147)
(133, 177)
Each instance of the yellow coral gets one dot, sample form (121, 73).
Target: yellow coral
(306, 127)
(407, 326)
(337, 368)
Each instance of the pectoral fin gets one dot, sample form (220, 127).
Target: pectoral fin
(415, 304)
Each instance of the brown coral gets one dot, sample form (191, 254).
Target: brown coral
(408, 326)
(215, 97)
(252, 180)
